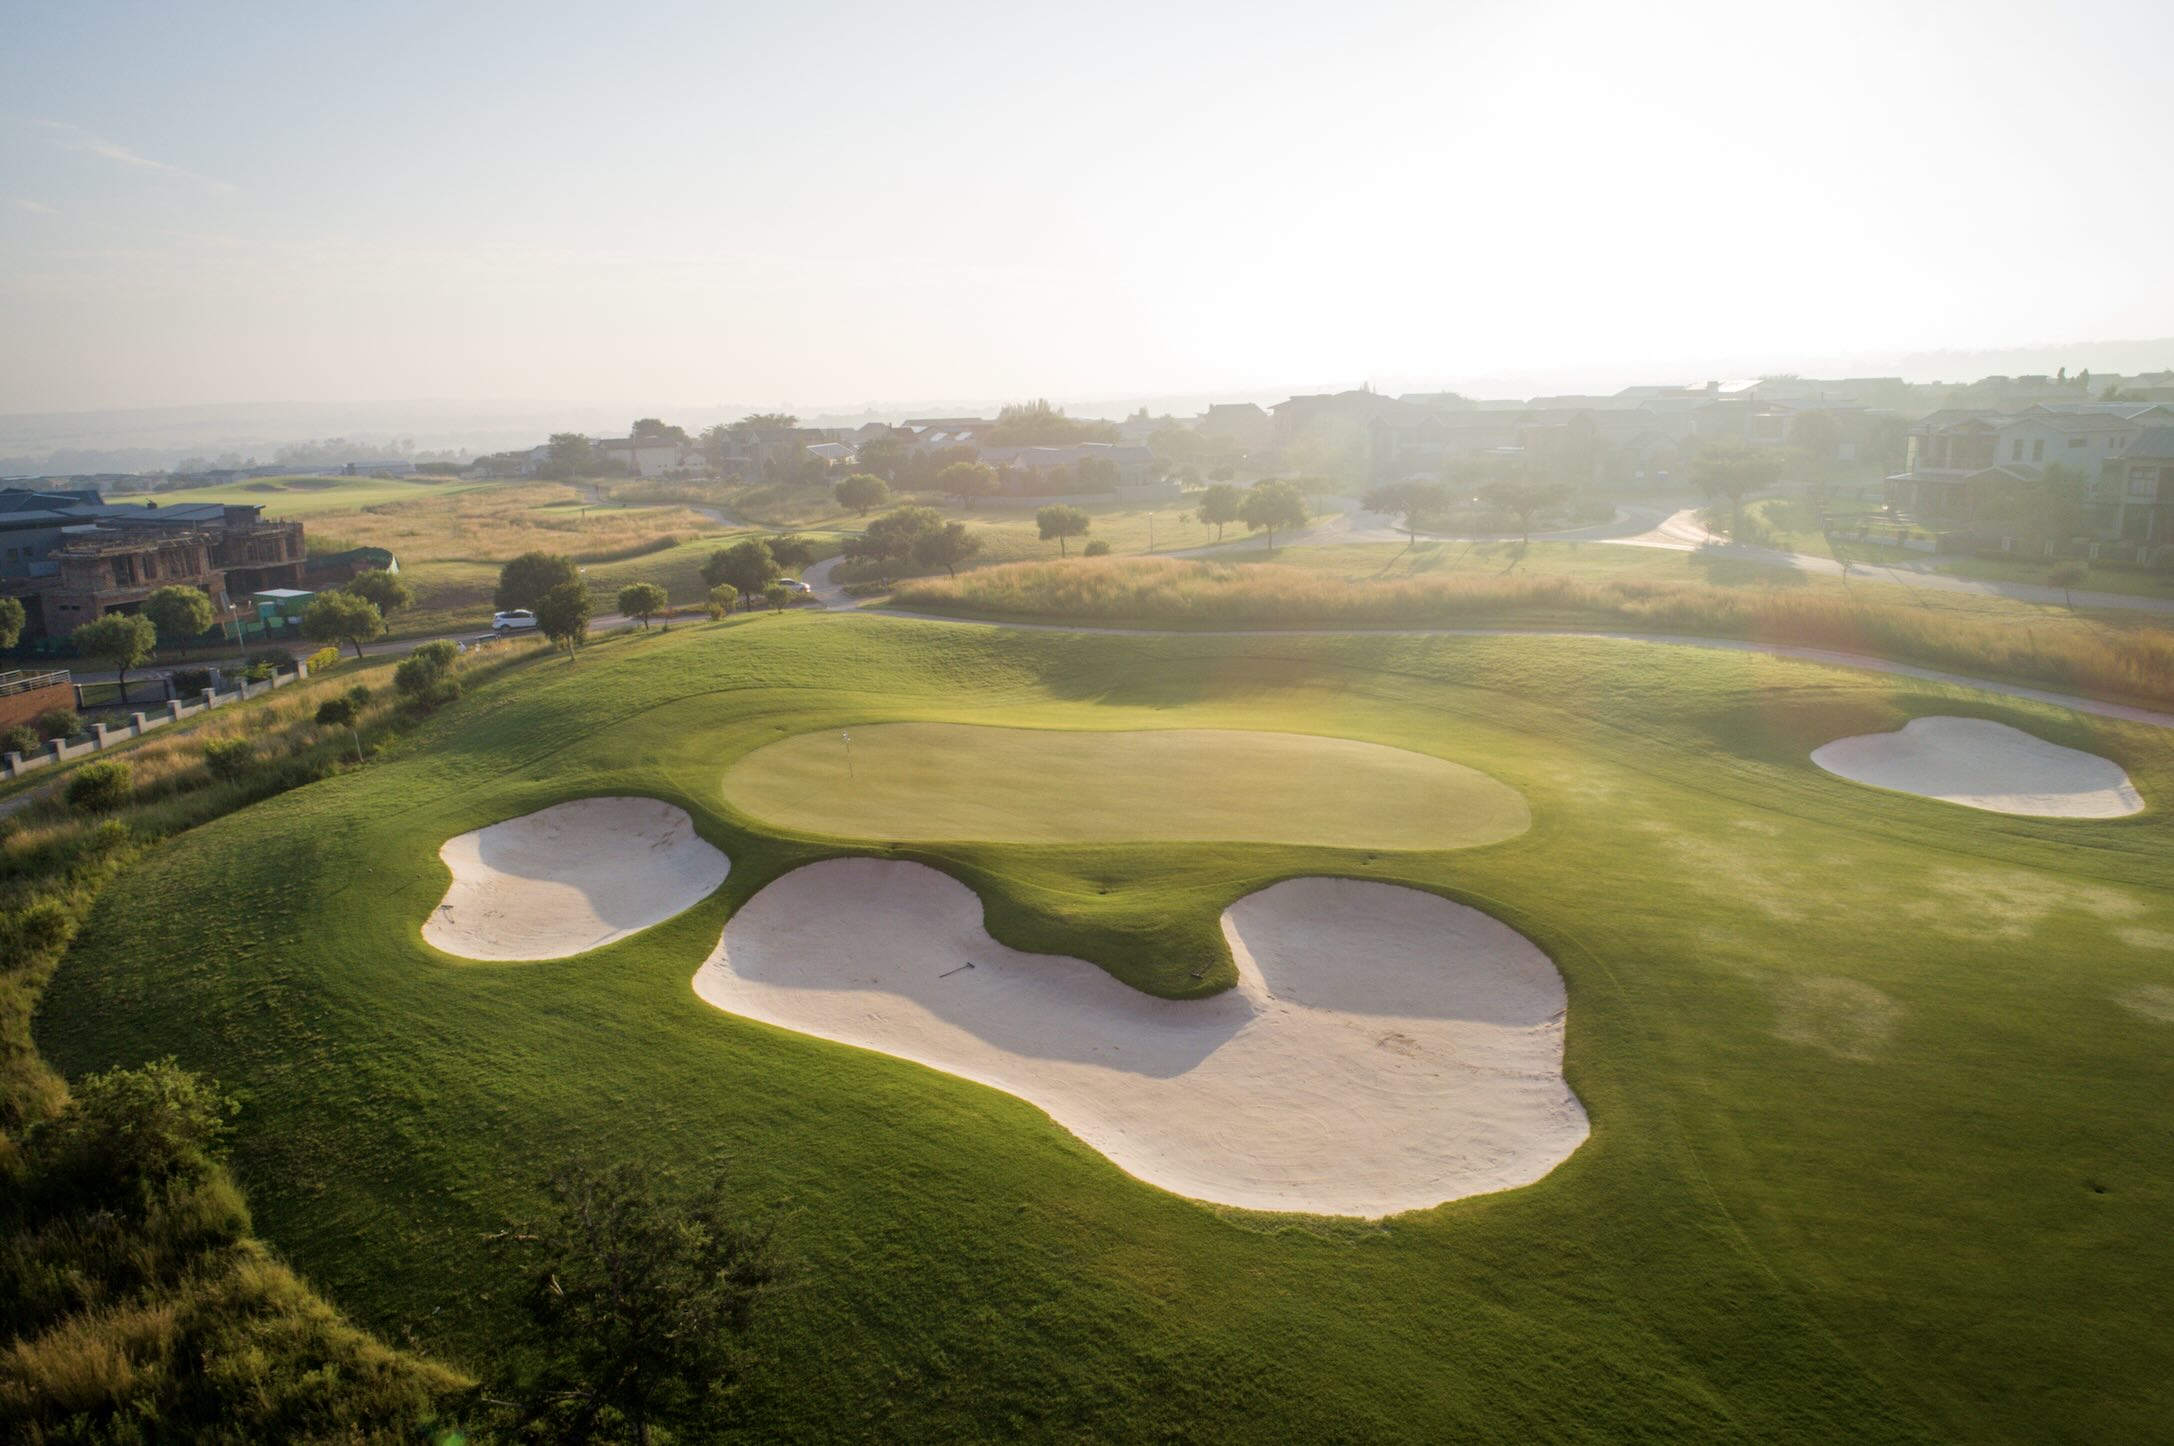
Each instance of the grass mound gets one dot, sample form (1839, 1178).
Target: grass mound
(1169, 592)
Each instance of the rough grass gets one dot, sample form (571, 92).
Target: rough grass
(1878, 1148)
(2135, 665)
(1042, 785)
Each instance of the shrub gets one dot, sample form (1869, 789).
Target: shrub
(359, 695)
(188, 682)
(21, 738)
(443, 652)
(322, 659)
(59, 723)
(723, 597)
(227, 759)
(100, 787)
(1100, 547)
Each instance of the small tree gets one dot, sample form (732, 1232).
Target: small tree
(180, 613)
(1060, 522)
(946, 547)
(777, 594)
(523, 581)
(892, 537)
(969, 480)
(59, 723)
(101, 786)
(863, 493)
(643, 1290)
(119, 640)
(340, 713)
(342, 617)
(1409, 501)
(1100, 547)
(2068, 576)
(792, 551)
(723, 598)
(1732, 471)
(389, 590)
(563, 616)
(1525, 499)
(748, 565)
(12, 621)
(643, 600)
(1272, 505)
(1219, 507)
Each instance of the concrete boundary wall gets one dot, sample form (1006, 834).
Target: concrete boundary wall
(107, 735)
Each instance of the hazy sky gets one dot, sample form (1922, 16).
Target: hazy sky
(833, 202)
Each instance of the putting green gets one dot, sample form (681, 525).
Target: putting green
(963, 781)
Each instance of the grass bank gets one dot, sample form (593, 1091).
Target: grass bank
(1877, 1085)
(2135, 665)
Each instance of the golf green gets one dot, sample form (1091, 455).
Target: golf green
(961, 781)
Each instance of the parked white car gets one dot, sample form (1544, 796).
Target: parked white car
(796, 585)
(513, 621)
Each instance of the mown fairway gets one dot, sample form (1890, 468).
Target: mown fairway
(1878, 1086)
(954, 781)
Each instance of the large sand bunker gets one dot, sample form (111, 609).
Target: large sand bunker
(1981, 764)
(571, 878)
(1385, 1049)
(963, 781)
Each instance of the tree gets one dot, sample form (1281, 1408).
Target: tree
(180, 613)
(12, 619)
(1276, 503)
(792, 551)
(769, 419)
(863, 493)
(340, 713)
(651, 429)
(571, 455)
(562, 614)
(643, 600)
(1732, 470)
(1524, 498)
(748, 565)
(777, 594)
(968, 480)
(946, 547)
(2067, 576)
(528, 577)
(1038, 424)
(389, 590)
(1410, 500)
(1219, 507)
(119, 640)
(645, 1286)
(342, 617)
(723, 598)
(1061, 522)
(892, 537)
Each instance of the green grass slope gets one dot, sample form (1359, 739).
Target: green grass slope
(1880, 1148)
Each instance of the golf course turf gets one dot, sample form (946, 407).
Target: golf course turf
(1880, 1144)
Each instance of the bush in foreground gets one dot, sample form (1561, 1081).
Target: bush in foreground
(100, 787)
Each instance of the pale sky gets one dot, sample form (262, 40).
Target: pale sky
(837, 202)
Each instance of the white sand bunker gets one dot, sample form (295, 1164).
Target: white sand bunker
(571, 878)
(1985, 765)
(1384, 1050)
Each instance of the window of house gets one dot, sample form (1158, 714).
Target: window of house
(2038, 451)
(2077, 441)
(2143, 484)
(2017, 454)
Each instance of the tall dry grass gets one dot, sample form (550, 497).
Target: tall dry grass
(498, 523)
(2133, 665)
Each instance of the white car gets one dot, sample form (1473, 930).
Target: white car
(513, 621)
(796, 585)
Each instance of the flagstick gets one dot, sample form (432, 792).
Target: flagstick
(848, 737)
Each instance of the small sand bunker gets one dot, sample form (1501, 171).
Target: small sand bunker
(1980, 764)
(571, 878)
(1385, 1049)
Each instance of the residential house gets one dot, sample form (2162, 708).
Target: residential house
(72, 557)
(1243, 422)
(1955, 455)
(649, 457)
(2135, 499)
